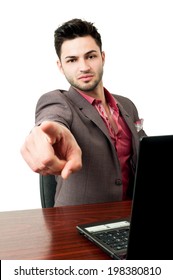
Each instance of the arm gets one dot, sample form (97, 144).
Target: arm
(51, 149)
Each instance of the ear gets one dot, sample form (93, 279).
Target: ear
(103, 57)
(60, 66)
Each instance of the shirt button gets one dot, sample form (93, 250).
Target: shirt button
(118, 182)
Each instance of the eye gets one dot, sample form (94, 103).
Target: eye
(72, 60)
(92, 56)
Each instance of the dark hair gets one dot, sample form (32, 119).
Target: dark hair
(75, 28)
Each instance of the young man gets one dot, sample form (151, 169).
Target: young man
(86, 136)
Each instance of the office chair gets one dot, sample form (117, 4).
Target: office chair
(47, 190)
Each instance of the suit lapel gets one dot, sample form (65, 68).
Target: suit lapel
(91, 113)
(127, 119)
(88, 110)
(135, 139)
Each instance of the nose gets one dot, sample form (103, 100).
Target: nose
(84, 65)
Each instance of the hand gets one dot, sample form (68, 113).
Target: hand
(52, 149)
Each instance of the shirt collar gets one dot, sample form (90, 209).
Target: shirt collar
(87, 97)
(110, 99)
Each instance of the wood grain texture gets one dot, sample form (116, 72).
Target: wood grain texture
(50, 233)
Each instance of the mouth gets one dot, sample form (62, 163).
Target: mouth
(86, 78)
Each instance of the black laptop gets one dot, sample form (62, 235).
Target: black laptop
(147, 234)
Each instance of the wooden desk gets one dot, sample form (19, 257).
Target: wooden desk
(45, 234)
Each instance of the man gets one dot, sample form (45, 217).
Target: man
(86, 136)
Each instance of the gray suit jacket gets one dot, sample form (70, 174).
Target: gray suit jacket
(100, 179)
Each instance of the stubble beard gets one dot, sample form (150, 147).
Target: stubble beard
(87, 86)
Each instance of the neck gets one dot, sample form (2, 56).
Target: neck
(97, 93)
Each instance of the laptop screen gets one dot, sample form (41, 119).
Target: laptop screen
(150, 234)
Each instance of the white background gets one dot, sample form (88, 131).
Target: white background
(137, 39)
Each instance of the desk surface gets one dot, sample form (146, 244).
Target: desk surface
(49, 234)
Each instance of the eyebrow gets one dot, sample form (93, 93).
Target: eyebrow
(74, 56)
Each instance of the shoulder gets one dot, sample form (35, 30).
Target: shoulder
(51, 106)
(49, 100)
(53, 94)
(126, 104)
(52, 97)
(124, 101)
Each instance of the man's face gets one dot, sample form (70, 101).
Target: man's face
(82, 63)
